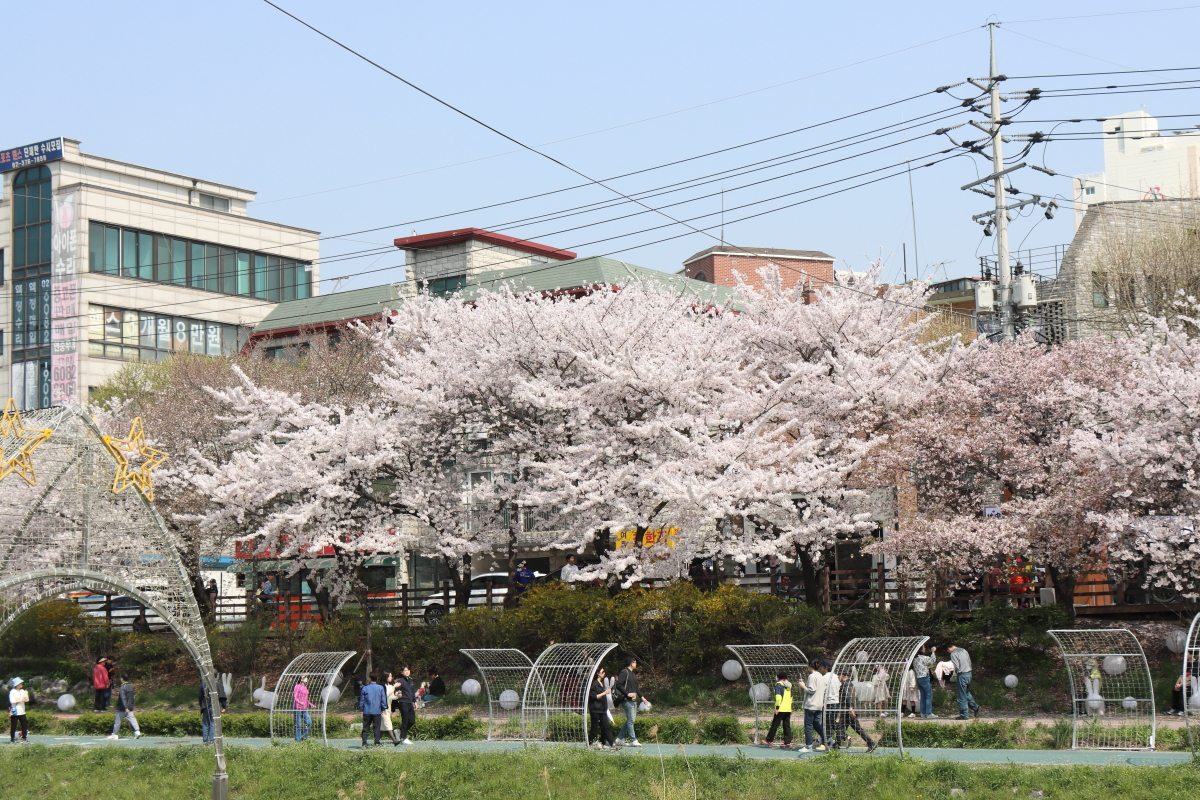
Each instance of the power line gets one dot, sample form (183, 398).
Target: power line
(1108, 14)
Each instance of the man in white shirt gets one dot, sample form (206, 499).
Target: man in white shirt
(17, 698)
(569, 570)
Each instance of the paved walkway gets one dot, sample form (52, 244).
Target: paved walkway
(1043, 757)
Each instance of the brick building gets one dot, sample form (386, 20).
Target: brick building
(717, 265)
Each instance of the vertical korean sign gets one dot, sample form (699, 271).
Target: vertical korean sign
(64, 290)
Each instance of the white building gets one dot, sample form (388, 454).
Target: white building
(1141, 163)
(105, 262)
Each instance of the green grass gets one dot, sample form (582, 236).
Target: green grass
(311, 772)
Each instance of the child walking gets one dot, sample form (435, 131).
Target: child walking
(783, 711)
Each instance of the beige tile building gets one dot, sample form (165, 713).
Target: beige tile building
(106, 262)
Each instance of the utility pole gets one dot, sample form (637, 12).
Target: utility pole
(1007, 327)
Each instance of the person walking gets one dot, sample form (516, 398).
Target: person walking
(783, 711)
(921, 665)
(389, 692)
(406, 702)
(207, 735)
(17, 698)
(101, 684)
(840, 713)
(598, 695)
(961, 660)
(625, 692)
(301, 718)
(814, 704)
(125, 709)
(371, 700)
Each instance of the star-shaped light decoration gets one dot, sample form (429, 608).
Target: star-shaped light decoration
(19, 443)
(133, 448)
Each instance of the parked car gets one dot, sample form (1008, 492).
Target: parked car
(434, 608)
(127, 613)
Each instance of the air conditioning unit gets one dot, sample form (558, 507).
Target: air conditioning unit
(1024, 291)
(985, 296)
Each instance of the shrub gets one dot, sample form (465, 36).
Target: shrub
(459, 726)
(722, 730)
(42, 631)
(671, 730)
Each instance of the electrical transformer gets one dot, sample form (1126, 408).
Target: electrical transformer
(985, 296)
(1024, 291)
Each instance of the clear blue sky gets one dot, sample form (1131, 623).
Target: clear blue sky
(233, 91)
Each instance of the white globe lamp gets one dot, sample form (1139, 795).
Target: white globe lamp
(1129, 704)
(1115, 665)
(331, 694)
(759, 693)
(509, 699)
(862, 657)
(471, 687)
(1176, 641)
(731, 670)
(65, 702)
(1010, 681)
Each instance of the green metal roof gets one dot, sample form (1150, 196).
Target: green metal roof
(593, 271)
(328, 308)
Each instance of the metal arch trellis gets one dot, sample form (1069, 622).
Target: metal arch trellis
(503, 670)
(871, 673)
(761, 663)
(554, 703)
(66, 522)
(1191, 683)
(319, 671)
(1112, 692)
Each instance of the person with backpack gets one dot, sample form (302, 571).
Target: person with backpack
(17, 698)
(783, 711)
(625, 692)
(405, 703)
(371, 701)
(125, 709)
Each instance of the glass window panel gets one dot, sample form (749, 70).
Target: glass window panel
(19, 247)
(113, 351)
(132, 354)
(96, 349)
(214, 339)
(146, 331)
(180, 342)
(163, 326)
(272, 278)
(129, 254)
(149, 355)
(44, 370)
(162, 259)
(95, 322)
(197, 265)
(303, 281)
(19, 205)
(112, 250)
(197, 330)
(211, 254)
(289, 280)
(129, 327)
(228, 271)
(179, 265)
(32, 307)
(243, 273)
(45, 300)
(260, 276)
(45, 215)
(145, 256)
(18, 386)
(31, 384)
(44, 233)
(95, 247)
(112, 324)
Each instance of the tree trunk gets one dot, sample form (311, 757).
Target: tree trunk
(1064, 590)
(812, 584)
(462, 590)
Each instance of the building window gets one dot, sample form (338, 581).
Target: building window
(165, 259)
(213, 202)
(1099, 290)
(700, 276)
(1090, 190)
(128, 335)
(31, 206)
(447, 284)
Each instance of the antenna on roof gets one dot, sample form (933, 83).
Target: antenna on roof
(337, 283)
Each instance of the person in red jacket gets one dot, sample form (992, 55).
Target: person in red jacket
(102, 684)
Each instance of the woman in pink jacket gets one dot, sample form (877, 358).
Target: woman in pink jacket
(300, 707)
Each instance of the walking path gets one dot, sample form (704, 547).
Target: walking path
(1041, 757)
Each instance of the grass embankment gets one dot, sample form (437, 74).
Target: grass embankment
(301, 772)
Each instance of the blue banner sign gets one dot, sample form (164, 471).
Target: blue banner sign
(31, 154)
